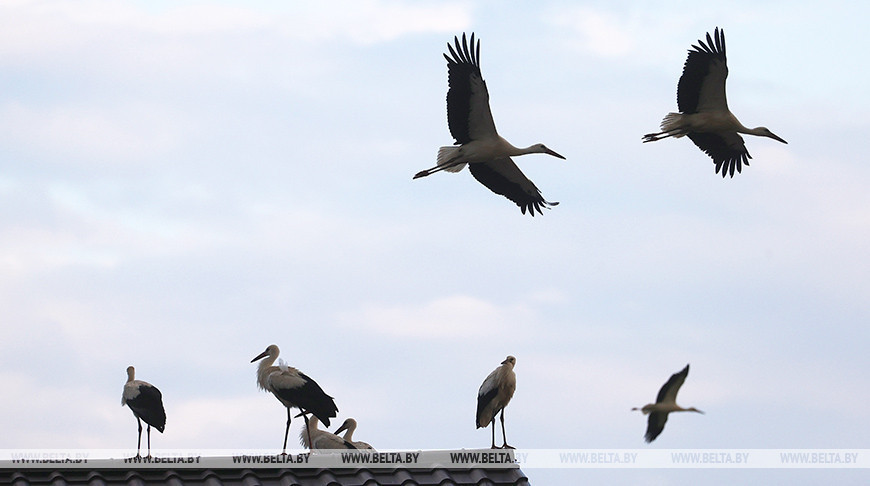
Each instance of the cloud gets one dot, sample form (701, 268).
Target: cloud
(448, 317)
(601, 33)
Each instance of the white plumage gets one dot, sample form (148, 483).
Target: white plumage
(666, 402)
(294, 389)
(704, 115)
(321, 439)
(146, 402)
(487, 154)
(494, 395)
(349, 425)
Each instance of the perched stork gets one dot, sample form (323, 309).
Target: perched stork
(293, 389)
(704, 116)
(487, 154)
(313, 438)
(494, 395)
(666, 402)
(350, 426)
(146, 402)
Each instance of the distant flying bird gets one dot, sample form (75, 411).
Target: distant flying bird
(487, 154)
(350, 426)
(146, 402)
(704, 116)
(666, 402)
(293, 389)
(494, 395)
(315, 439)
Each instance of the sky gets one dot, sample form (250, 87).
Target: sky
(184, 183)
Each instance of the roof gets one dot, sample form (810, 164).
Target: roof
(264, 477)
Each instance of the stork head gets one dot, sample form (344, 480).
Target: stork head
(764, 132)
(510, 360)
(541, 148)
(346, 425)
(271, 351)
(131, 373)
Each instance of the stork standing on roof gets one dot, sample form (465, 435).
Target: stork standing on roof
(479, 145)
(494, 395)
(704, 116)
(666, 402)
(146, 402)
(349, 425)
(294, 389)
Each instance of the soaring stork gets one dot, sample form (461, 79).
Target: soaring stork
(494, 395)
(293, 389)
(704, 116)
(666, 402)
(313, 438)
(350, 426)
(146, 402)
(487, 154)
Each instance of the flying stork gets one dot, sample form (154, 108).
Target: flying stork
(494, 395)
(704, 116)
(477, 143)
(314, 439)
(666, 402)
(146, 402)
(350, 426)
(293, 388)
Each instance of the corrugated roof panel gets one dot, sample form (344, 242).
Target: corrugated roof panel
(263, 477)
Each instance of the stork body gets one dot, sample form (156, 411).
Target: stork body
(313, 438)
(349, 426)
(666, 402)
(704, 116)
(146, 402)
(478, 145)
(494, 395)
(294, 389)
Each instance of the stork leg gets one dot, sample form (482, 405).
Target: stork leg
(492, 423)
(446, 165)
(652, 137)
(503, 435)
(424, 173)
(286, 432)
(308, 431)
(149, 441)
(139, 440)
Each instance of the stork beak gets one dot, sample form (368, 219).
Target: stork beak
(554, 154)
(777, 138)
(261, 355)
(340, 429)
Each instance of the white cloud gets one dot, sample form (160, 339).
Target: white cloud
(447, 317)
(600, 33)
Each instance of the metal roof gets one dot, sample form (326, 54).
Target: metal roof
(264, 477)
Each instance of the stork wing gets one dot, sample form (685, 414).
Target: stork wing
(727, 150)
(468, 114)
(702, 85)
(148, 405)
(655, 425)
(305, 395)
(669, 390)
(502, 176)
(484, 406)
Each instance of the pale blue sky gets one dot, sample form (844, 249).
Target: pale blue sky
(185, 183)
